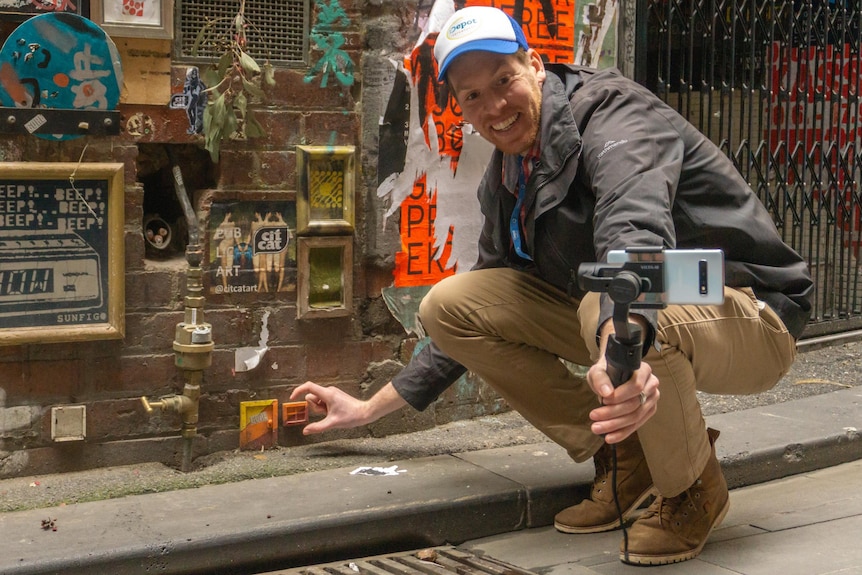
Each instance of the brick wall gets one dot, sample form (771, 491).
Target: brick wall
(358, 353)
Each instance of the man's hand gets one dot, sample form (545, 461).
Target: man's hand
(342, 410)
(625, 408)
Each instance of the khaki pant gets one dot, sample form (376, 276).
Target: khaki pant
(511, 328)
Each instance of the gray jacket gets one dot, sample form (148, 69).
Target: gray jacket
(619, 169)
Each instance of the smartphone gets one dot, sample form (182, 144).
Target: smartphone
(690, 276)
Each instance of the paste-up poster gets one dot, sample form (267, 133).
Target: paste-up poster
(432, 183)
(251, 248)
(596, 33)
(431, 163)
(799, 119)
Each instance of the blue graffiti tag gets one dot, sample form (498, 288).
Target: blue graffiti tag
(334, 60)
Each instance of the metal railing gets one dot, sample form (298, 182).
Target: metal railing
(776, 85)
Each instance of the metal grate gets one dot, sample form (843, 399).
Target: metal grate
(433, 561)
(776, 85)
(277, 30)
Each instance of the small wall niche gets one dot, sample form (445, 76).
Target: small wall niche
(325, 282)
(164, 225)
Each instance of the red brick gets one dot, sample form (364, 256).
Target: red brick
(151, 289)
(53, 351)
(140, 374)
(334, 128)
(233, 327)
(330, 362)
(151, 331)
(12, 352)
(161, 123)
(282, 130)
(255, 169)
(292, 92)
(285, 365)
(134, 246)
(113, 419)
(12, 375)
(134, 204)
(48, 381)
(324, 330)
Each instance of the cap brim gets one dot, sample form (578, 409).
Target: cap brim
(493, 45)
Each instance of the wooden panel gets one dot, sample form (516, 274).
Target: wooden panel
(146, 70)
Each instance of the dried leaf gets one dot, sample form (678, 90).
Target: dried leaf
(230, 122)
(249, 65)
(253, 128)
(240, 102)
(224, 63)
(252, 88)
(268, 74)
(199, 39)
(210, 78)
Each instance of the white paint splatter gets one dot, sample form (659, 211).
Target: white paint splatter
(248, 358)
(378, 471)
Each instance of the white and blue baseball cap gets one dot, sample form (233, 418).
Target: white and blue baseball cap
(477, 28)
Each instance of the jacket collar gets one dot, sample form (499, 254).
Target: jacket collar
(559, 131)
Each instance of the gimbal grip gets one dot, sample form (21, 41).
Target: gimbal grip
(623, 359)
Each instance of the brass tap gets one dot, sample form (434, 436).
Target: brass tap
(177, 403)
(186, 404)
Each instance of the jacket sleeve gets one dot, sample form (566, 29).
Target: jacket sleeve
(429, 373)
(489, 257)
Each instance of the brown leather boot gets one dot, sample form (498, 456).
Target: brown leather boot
(599, 512)
(675, 529)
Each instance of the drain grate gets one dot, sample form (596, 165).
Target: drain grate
(432, 561)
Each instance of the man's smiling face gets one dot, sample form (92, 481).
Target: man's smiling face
(500, 95)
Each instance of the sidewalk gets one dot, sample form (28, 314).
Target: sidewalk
(806, 524)
(318, 517)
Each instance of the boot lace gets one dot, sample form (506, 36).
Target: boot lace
(674, 511)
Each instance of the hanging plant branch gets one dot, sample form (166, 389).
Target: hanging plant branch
(233, 83)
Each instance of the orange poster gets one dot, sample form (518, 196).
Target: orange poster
(426, 255)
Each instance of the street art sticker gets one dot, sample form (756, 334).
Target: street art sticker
(327, 35)
(193, 100)
(31, 7)
(251, 248)
(60, 61)
(597, 33)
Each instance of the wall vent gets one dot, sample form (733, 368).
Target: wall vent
(277, 30)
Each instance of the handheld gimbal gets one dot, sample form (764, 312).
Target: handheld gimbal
(650, 278)
(667, 276)
(624, 283)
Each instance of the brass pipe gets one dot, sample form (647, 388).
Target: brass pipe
(193, 344)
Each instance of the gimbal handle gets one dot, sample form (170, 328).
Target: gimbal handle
(625, 348)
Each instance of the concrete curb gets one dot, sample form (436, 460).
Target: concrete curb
(268, 524)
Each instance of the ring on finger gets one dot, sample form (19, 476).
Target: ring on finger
(642, 397)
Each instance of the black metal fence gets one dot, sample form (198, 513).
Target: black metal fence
(776, 84)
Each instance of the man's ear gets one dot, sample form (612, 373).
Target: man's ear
(537, 64)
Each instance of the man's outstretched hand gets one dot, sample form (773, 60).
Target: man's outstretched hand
(343, 411)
